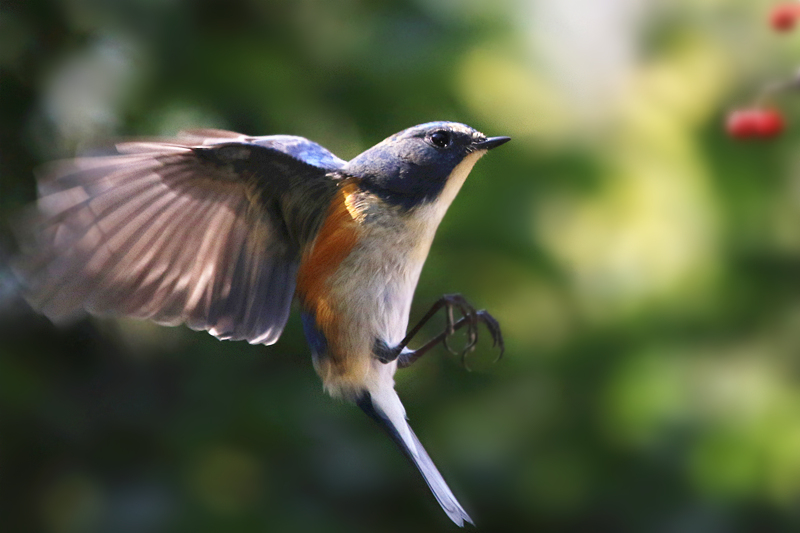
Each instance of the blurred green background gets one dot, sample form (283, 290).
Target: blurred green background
(644, 266)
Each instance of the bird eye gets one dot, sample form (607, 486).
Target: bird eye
(440, 139)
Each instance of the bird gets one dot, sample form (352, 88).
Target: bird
(222, 231)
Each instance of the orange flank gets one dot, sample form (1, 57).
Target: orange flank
(335, 240)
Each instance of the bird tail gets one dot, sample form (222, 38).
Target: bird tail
(385, 408)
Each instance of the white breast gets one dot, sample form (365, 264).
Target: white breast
(372, 289)
(377, 281)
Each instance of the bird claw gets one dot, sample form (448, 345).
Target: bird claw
(494, 330)
(456, 301)
(470, 318)
(473, 317)
(449, 329)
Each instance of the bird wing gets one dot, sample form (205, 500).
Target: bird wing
(202, 231)
(297, 147)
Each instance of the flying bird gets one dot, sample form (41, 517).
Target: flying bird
(221, 231)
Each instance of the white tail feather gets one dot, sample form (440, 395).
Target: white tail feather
(437, 484)
(386, 409)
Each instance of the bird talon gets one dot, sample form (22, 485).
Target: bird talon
(450, 321)
(494, 330)
(472, 340)
(470, 319)
(464, 360)
(447, 346)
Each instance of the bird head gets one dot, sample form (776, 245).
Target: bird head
(413, 167)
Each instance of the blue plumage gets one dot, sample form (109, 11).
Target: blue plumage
(316, 339)
(302, 149)
(407, 169)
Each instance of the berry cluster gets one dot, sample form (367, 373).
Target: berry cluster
(763, 121)
(752, 123)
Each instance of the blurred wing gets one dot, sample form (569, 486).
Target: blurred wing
(208, 235)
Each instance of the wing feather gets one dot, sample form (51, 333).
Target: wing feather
(208, 234)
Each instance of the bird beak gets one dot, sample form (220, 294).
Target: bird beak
(491, 142)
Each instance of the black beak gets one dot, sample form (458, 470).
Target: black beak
(491, 142)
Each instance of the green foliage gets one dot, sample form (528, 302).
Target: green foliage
(643, 265)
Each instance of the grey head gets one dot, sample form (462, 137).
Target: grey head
(411, 167)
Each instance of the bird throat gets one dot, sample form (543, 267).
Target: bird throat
(431, 214)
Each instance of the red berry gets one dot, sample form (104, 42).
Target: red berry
(784, 16)
(742, 124)
(769, 123)
(750, 123)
